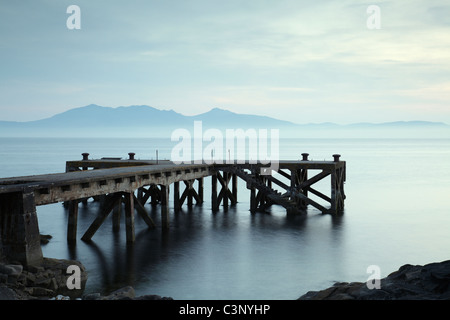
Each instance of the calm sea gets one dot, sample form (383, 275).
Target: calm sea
(397, 211)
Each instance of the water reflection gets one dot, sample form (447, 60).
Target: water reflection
(204, 249)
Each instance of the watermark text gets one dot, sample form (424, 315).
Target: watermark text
(236, 146)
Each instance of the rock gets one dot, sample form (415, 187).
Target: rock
(49, 281)
(152, 297)
(43, 281)
(409, 282)
(40, 292)
(35, 269)
(3, 278)
(45, 238)
(11, 269)
(125, 293)
(92, 296)
(7, 293)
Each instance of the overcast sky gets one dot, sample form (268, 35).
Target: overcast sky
(303, 61)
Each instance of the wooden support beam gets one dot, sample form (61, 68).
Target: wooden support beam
(129, 216)
(189, 191)
(164, 207)
(144, 195)
(143, 213)
(260, 200)
(234, 187)
(278, 182)
(155, 194)
(284, 174)
(195, 195)
(224, 182)
(117, 213)
(110, 202)
(319, 194)
(253, 202)
(176, 196)
(311, 202)
(337, 192)
(314, 179)
(225, 193)
(200, 190)
(214, 198)
(72, 221)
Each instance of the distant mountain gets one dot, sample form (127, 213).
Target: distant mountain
(398, 124)
(218, 118)
(106, 117)
(146, 121)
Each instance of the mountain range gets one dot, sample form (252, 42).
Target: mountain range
(146, 121)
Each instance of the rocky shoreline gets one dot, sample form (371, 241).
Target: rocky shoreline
(409, 282)
(38, 282)
(49, 282)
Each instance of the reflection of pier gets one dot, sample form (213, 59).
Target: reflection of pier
(114, 182)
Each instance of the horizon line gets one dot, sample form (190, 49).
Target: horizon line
(221, 108)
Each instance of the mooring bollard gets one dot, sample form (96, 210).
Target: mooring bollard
(305, 156)
(85, 156)
(336, 157)
(131, 155)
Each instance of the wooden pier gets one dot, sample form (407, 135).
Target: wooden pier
(114, 181)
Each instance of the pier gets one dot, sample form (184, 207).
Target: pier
(116, 182)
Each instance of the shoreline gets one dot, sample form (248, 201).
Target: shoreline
(49, 282)
(410, 282)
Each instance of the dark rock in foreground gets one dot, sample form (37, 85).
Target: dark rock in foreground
(49, 281)
(428, 282)
(39, 282)
(125, 293)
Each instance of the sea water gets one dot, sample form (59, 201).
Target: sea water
(397, 211)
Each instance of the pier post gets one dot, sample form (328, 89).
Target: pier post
(155, 194)
(224, 190)
(72, 221)
(234, 188)
(189, 190)
(117, 212)
(200, 190)
(337, 188)
(176, 196)
(129, 216)
(214, 197)
(253, 203)
(19, 228)
(164, 207)
(189, 193)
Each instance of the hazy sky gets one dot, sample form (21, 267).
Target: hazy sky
(303, 61)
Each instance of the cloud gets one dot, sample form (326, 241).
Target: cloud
(438, 92)
(268, 56)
